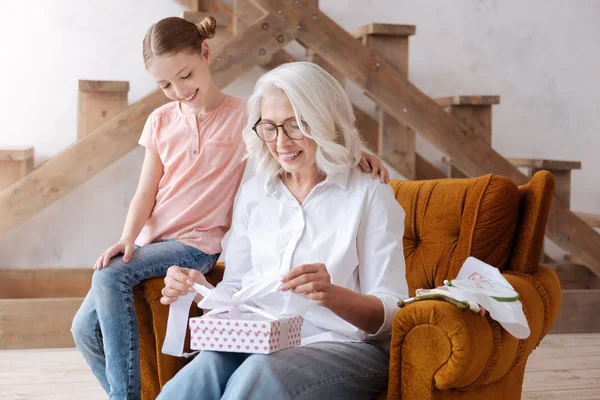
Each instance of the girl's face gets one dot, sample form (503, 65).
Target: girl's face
(183, 76)
(294, 156)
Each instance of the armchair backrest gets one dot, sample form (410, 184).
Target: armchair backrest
(448, 220)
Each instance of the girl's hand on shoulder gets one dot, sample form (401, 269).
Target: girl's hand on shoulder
(179, 282)
(311, 280)
(374, 165)
(126, 247)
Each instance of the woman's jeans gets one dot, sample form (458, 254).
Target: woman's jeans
(319, 371)
(105, 327)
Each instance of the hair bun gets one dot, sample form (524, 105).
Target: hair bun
(207, 28)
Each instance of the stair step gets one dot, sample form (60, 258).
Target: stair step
(37, 323)
(37, 306)
(488, 100)
(557, 165)
(384, 30)
(98, 102)
(15, 164)
(16, 153)
(592, 220)
(23, 283)
(579, 312)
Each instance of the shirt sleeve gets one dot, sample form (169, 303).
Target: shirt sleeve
(382, 268)
(238, 261)
(148, 137)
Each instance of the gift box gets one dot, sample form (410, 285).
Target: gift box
(247, 333)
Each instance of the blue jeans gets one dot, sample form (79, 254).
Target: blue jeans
(105, 327)
(326, 370)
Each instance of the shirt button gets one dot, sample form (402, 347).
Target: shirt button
(200, 119)
(195, 151)
(196, 136)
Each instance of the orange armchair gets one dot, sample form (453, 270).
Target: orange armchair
(437, 351)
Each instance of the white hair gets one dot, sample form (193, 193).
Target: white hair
(320, 101)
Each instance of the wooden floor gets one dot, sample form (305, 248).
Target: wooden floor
(563, 367)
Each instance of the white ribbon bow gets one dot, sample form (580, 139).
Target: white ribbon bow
(219, 303)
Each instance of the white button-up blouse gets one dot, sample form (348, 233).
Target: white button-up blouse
(349, 222)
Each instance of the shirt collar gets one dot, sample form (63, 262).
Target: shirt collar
(340, 179)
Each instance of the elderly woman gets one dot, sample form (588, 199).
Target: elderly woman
(330, 233)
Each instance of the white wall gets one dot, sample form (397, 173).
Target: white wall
(542, 57)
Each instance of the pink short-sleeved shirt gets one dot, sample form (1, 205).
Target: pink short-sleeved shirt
(203, 167)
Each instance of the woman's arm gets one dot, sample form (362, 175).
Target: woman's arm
(139, 210)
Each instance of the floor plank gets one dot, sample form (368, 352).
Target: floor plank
(564, 366)
(577, 394)
(47, 374)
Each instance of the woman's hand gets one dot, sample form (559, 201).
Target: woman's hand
(126, 247)
(372, 164)
(179, 282)
(312, 281)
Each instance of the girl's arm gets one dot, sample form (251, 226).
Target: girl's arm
(374, 165)
(139, 210)
(238, 261)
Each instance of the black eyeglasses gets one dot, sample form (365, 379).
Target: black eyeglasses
(268, 132)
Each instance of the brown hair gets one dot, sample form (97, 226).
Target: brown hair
(172, 35)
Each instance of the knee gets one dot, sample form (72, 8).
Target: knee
(83, 327)
(108, 277)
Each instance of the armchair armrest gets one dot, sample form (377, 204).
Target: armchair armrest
(436, 347)
(157, 368)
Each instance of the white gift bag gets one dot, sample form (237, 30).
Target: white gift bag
(483, 284)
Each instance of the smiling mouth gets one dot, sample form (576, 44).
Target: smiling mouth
(192, 97)
(291, 156)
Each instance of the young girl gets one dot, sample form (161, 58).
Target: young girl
(182, 207)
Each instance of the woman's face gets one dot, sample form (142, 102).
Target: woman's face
(182, 76)
(294, 156)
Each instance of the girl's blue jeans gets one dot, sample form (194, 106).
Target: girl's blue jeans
(105, 327)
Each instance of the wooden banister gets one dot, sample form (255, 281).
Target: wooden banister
(405, 102)
(90, 155)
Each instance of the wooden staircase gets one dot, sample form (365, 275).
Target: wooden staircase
(376, 58)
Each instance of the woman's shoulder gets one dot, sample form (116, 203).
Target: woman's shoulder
(255, 185)
(363, 185)
(360, 180)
